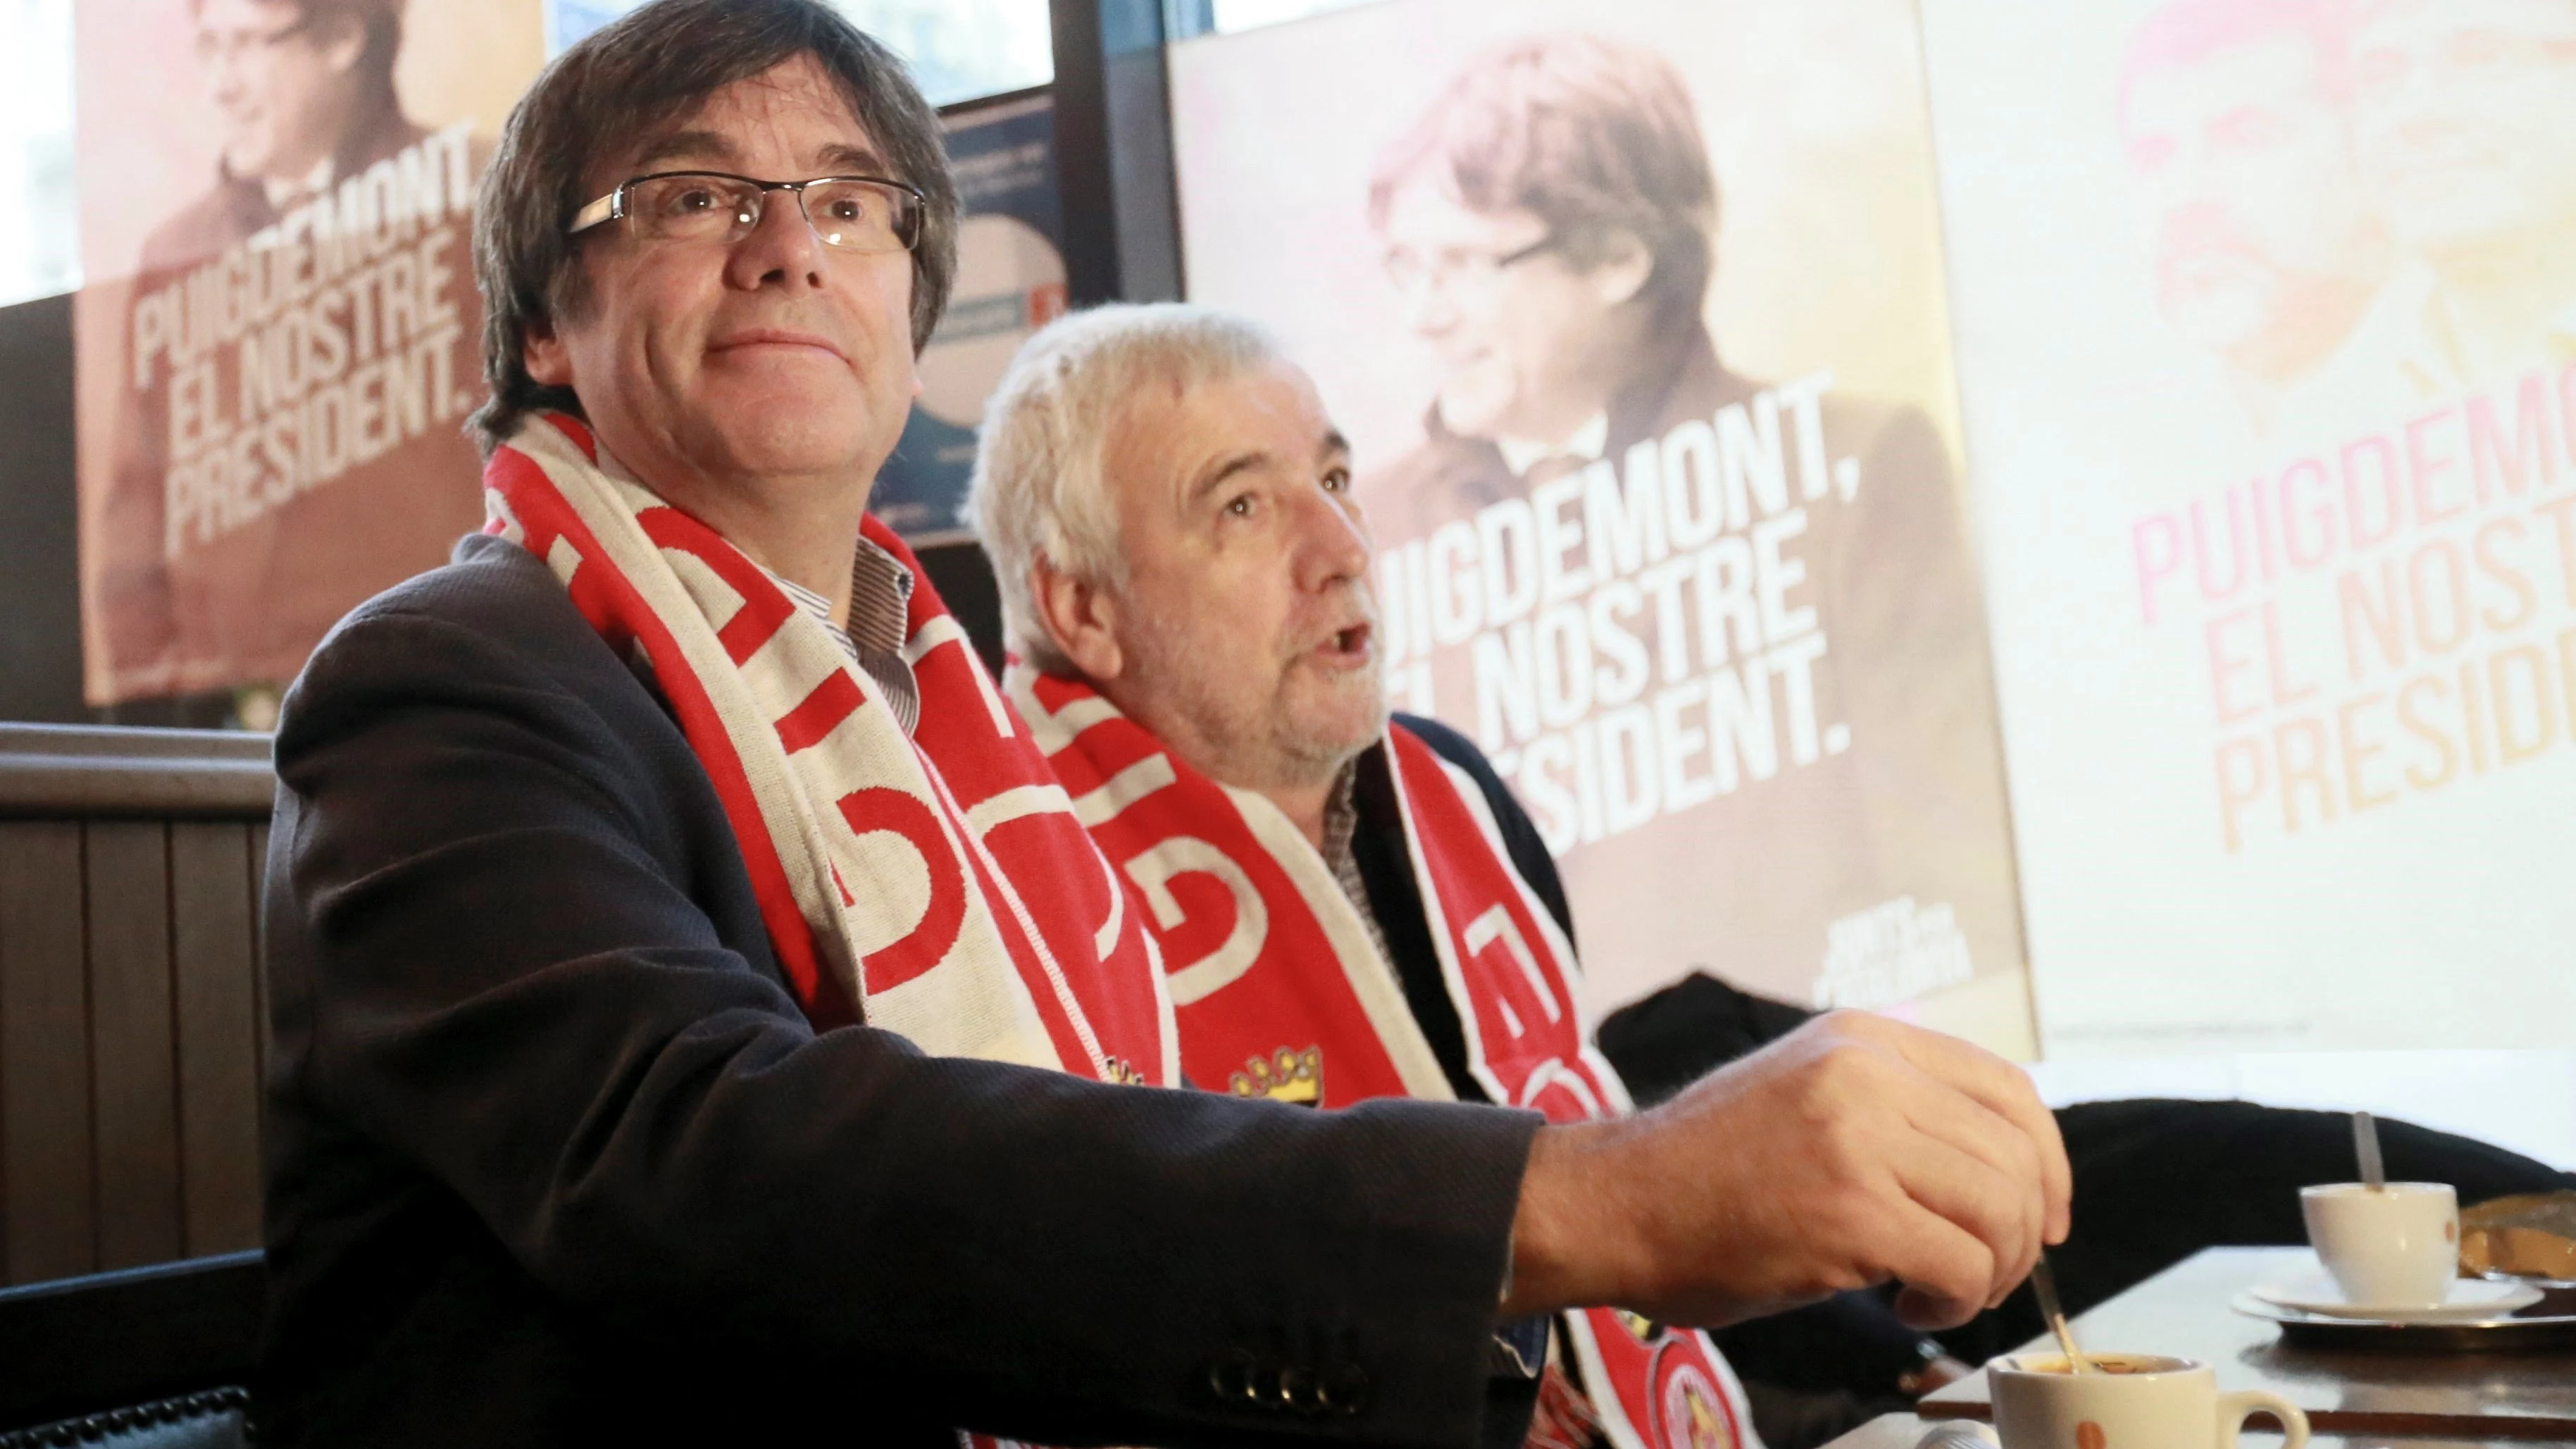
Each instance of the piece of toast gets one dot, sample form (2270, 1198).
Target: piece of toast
(2533, 1235)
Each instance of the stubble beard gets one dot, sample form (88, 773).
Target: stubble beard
(1252, 743)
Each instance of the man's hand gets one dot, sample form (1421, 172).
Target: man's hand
(1852, 1151)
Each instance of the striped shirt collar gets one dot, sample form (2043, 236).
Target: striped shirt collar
(880, 594)
(880, 597)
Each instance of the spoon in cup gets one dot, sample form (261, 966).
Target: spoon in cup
(2365, 1145)
(2043, 1286)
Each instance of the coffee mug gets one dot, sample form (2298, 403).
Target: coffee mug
(2132, 1401)
(2391, 1247)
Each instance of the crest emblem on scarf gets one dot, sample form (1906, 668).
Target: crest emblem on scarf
(1286, 1075)
(1693, 1410)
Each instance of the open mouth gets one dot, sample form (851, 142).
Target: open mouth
(1348, 645)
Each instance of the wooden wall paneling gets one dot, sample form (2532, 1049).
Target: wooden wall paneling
(48, 1199)
(133, 1051)
(213, 970)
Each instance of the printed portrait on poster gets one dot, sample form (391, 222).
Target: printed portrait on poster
(1633, 314)
(2267, 320)
(280, 339)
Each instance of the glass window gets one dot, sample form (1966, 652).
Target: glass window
(39, 251)
(1201, 17)
(958, 49)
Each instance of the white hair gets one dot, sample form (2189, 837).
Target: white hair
(1040, 487)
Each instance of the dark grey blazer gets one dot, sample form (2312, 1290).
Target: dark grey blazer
(553, 1159)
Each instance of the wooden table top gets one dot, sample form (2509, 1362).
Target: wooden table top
(1904, 1431)
(2183, 1312)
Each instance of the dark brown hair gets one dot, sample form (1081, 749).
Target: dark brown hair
(642, 73)
(1591, 136)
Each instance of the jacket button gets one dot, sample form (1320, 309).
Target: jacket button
(1229, 1375)
(1341, 1389)
(1301, 1390)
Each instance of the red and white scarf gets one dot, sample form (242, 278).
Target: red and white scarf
(1281, 991)
(936, 885)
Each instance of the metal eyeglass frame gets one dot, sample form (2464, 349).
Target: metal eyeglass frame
(1502, 262)
(612, 207)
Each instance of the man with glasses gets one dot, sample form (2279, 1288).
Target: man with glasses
(699, 1012)
(1822, 799)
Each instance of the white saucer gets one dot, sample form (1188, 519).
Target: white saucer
(2469, 1298)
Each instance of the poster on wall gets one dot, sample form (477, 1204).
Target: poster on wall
(2267, 333)
(1633, 313)
(279, 340)
(1010, 282)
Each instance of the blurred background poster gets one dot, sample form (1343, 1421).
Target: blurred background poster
(279, 338)
(2267, 315)
(1010, 282)
(1634, 313)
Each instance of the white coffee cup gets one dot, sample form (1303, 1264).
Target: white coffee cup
(2390, 1247)
(2134, 1401)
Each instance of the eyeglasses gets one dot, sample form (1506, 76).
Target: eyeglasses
(229, 46)
(854, 213)
(1451, 266)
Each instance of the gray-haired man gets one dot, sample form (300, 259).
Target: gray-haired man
(1185, 572)
(684, 967)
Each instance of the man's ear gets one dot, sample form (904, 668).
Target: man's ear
(543, 354)
(1621, 273)
(1080, 617)
(342, 50)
